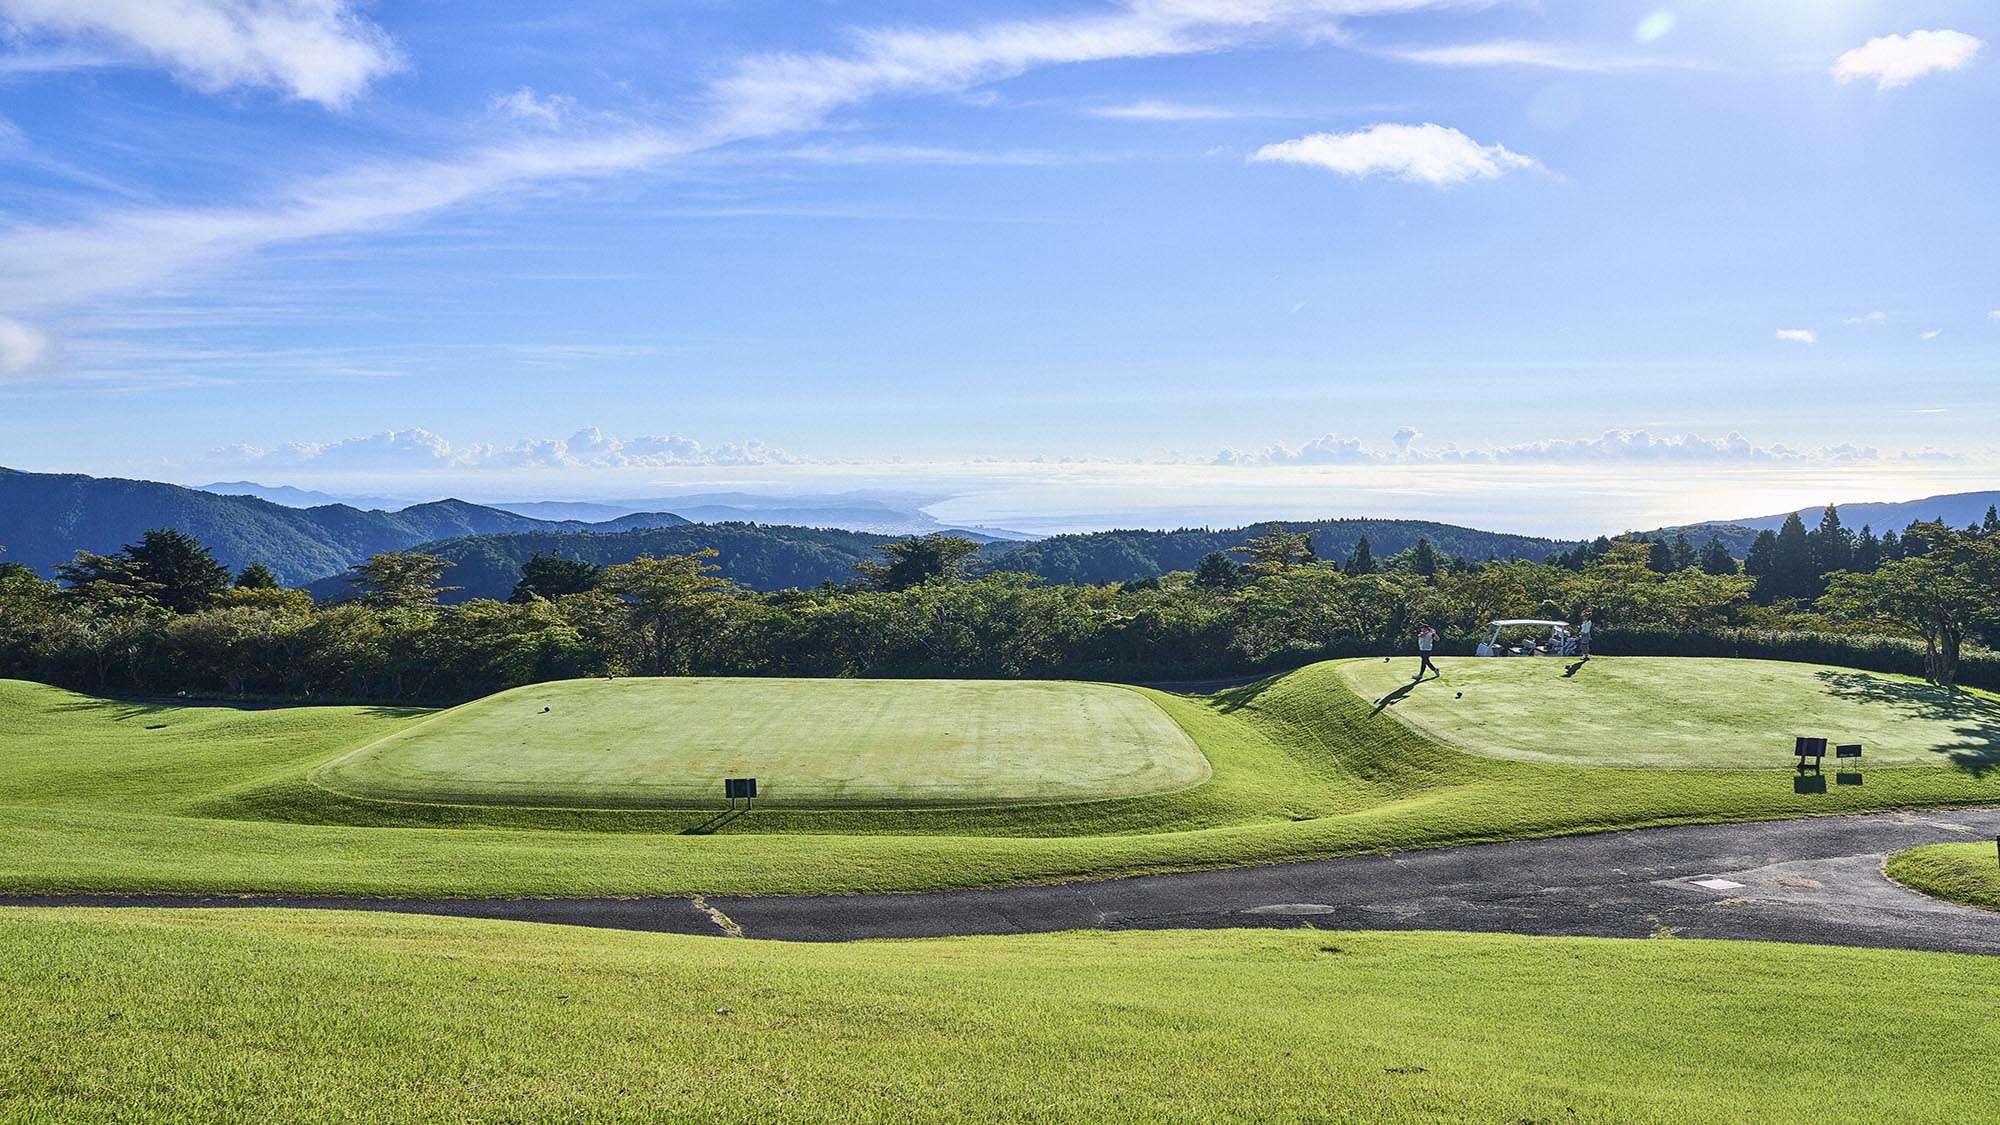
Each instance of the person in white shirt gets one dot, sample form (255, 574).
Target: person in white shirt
(1426, 641)
(1583, 638)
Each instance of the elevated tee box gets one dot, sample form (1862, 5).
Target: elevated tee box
(671, 742)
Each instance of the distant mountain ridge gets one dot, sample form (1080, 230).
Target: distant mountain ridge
(1956, 509)
(45, 518)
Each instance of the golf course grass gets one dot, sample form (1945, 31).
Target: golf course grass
(1967, 874)
(1683, 711)
(110, 795)
(161, 1016)
(653, 743)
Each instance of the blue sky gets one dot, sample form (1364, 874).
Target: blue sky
(1551, 266)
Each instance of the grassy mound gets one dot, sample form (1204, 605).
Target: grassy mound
(1967, 874)
(1682, 711)
(322, 1017)
(646, 743)
(100, 795)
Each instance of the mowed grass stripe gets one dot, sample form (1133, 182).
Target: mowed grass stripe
(814, 743)
(1682, 712)
(320, 1017)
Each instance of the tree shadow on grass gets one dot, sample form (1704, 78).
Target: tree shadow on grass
(1973, 718)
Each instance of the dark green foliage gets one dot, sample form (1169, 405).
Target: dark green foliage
(256, 576)
(1277, 550)
(188, 576)
(1421, 559)
(1114, 556)
(1361, 560)
(917, 560)
(1716, 559)
(1660, 558)
(1217, 571)
(402, 579)
(1683, 553)
(752, 555)
(551, 577)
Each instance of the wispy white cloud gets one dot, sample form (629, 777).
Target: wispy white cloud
(860, 154)
(524, 104)
(1930, 334)
(1430, 154)
(1898, 60)
(1612, 445)
(315, 50)
(777, 93)
(1579, 57)
(1798, 336)
(1155, 109)
(1870, 318)
(24, 348)
(1994, 315)
(127, 248)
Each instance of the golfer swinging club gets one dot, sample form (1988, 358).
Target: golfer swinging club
(1426, 640)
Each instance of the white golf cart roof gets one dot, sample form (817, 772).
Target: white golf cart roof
(1511, 622)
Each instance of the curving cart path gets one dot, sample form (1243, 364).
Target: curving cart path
(1816, 880)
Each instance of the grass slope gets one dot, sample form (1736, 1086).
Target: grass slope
(218, 800)
(321, 1017)
(1967, 874)
(639, 743)
(1683, 711)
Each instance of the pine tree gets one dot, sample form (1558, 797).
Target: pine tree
(1684, 553)
(1867, 552)
(1991, 523)
(1791, 561)
(1892, 546)
(1715, 557)
(1832, 549)
(1659, 557)
(1423, 558)
(1217, 571)
(188, 576)
(256, 576)
(1361, 560)
(1760, 562)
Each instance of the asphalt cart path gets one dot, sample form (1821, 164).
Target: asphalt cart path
(1817, 881)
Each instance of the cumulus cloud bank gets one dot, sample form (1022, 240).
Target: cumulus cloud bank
(1427, 154)
(1898, 60)
(418, 449)
(314, 50)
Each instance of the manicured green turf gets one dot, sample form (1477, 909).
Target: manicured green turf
(1968, 874)
(665, 743)
(319, 1017)
(218, 800)
(1682, 711)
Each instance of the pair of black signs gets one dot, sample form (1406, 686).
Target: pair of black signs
(1810, 751)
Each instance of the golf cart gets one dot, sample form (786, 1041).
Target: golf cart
(1524, 637)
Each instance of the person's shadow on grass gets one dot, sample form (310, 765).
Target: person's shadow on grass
(1575, 668)
(1394, 697)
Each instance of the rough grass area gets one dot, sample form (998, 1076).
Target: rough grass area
(1968, 874)
(323, 1017)
(217, 800)
(651, 743)
(1682, 711)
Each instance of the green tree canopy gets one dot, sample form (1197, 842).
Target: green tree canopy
(400, 579)
(675, 604)
(551, 577)
(256, 576)
(917, 560)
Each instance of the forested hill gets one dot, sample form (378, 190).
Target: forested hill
(45, 518)
(759, 556)
(1119, 556)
